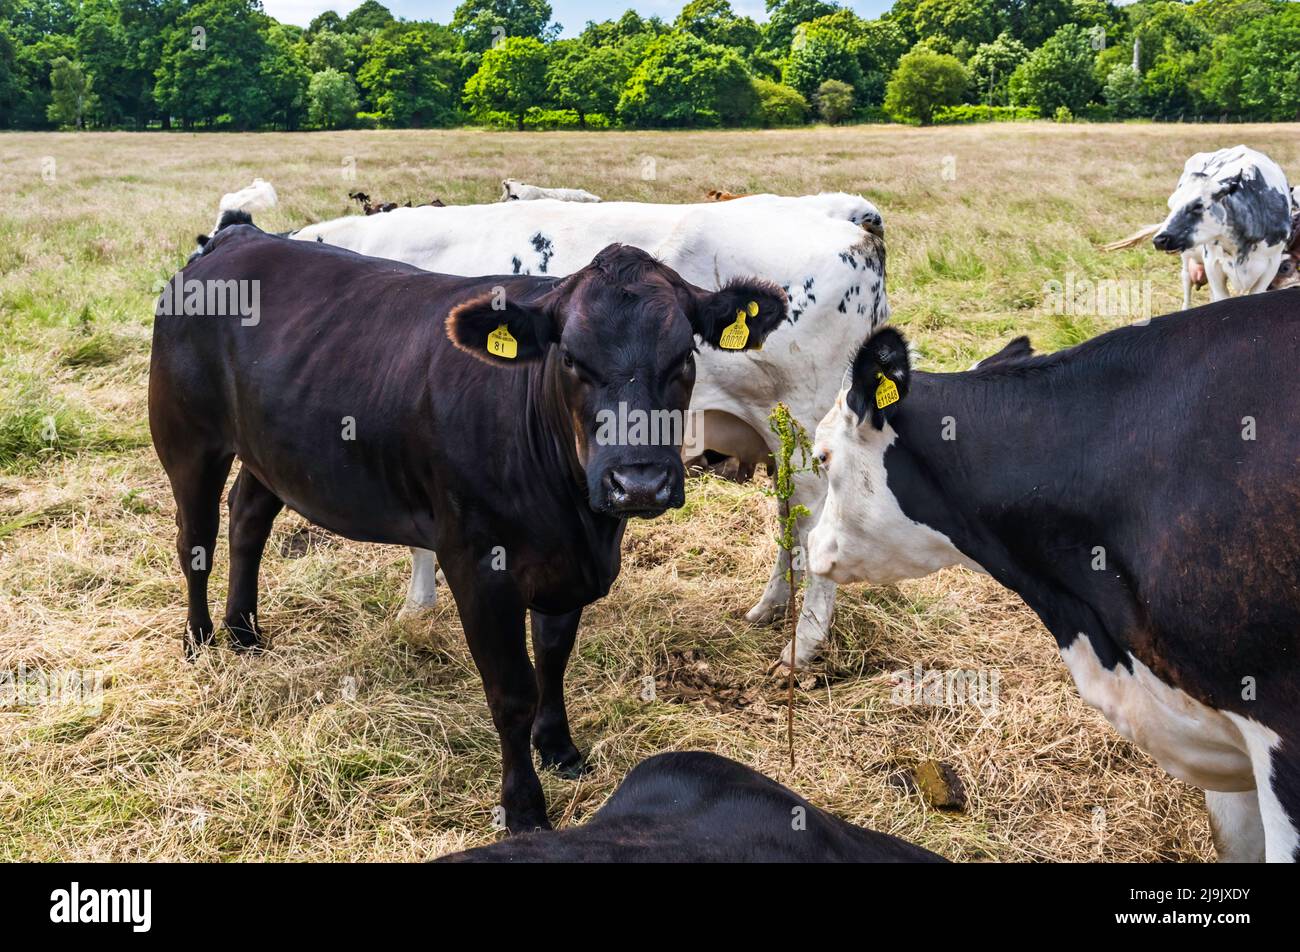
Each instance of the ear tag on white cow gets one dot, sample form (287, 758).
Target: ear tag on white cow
(886, 391)
(734, 337)
(501, 343)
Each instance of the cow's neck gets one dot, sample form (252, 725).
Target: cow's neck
(1006, 465)
(553, 446)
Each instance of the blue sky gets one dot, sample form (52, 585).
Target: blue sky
(571, 13)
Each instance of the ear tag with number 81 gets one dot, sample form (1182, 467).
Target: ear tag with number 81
(501, 343)
(886, 391)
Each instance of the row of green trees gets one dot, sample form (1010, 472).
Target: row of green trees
(226, 64)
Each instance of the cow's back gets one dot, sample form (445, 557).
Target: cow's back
(694, 807)
(831, 267)
(344, 383)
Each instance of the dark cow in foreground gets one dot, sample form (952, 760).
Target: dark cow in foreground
(696, 807)
(462, 415)
(1141, 492)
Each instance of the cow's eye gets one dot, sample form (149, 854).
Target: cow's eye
(567, 360)
(824, 458)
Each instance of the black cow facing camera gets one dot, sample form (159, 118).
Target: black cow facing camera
(343, 384)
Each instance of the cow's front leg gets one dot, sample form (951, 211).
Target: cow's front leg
(1217, 280)
(776, 595)
(422, 593)
(1237, 826)
(1275, 761)
(492, 614)
(553, 637)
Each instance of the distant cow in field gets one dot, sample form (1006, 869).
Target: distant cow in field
(513, 190)
(1141, 492)
(827, 251)
(1229, 219)
(258, 197)
(462, 415)
(379, 208)
(696, 807)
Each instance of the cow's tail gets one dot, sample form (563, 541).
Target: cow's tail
(1139, 236)
(236, 208)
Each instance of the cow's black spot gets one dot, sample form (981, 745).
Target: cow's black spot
(1258, 212)
(545, 250)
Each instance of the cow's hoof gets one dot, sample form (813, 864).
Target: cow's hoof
(780, 669)
(764, 614)
(196, 637)
(526, 822)
(412, 613)
(569, 764)
(245, 640)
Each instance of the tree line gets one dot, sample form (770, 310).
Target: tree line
(226, 64)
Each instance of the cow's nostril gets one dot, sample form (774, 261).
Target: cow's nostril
(640, 487)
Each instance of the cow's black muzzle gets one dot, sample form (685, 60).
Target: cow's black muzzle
(642, 490)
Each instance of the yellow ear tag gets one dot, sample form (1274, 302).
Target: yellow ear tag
(753, 312)
(501, 343)
(886, 391)
(734, 337)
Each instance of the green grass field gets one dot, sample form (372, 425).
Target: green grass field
(362, 738)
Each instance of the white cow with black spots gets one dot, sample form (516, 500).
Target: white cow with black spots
(1231, 213)
(827, 251)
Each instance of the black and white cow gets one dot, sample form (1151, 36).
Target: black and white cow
(697, 807)
(1141, 492)
(464, 415)
(1229, 219)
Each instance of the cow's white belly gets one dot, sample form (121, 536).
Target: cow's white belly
(1192, 741)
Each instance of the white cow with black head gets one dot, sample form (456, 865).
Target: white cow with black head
(1231, 216)
(827, 251)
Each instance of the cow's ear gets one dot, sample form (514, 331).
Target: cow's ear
(1230, 187)
(501, 331)
(739, 316)
(880, 377)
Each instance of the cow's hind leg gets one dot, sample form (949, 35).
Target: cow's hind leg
(553, 637)
(1237, 826)
(253, 508)
(197, 481)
